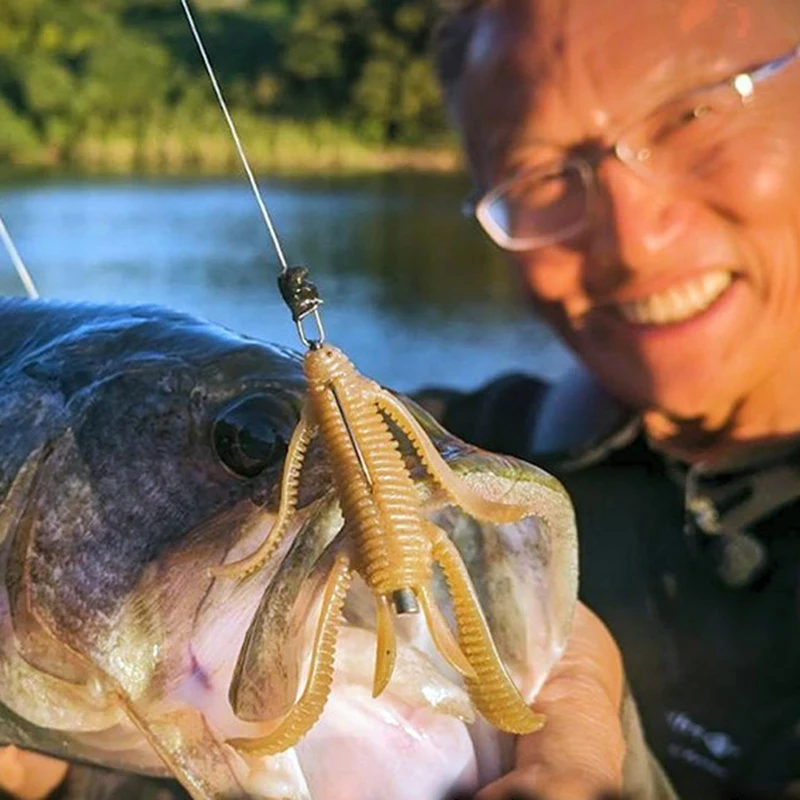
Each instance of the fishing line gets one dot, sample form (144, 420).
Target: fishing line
(19, 264)
(237, 141)
(297, 291)
(392, 539)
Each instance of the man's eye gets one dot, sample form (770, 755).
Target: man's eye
(548, 189)
(536, 191)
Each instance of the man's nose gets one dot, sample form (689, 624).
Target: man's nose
(636, 221)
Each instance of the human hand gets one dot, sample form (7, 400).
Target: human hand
(29, 776)
(579, 753)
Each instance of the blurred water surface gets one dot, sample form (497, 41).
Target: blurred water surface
(412, 291)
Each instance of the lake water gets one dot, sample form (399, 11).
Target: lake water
(412, 290)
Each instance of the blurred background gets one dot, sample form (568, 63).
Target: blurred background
(119, 181)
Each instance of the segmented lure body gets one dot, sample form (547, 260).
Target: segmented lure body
(376, 493)
(394, 546)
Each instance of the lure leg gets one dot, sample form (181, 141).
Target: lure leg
(386, 649)
(475, 505)
(442, 636)
(291, 475)
(492, 691)
(385, 646)
(266, 679)
(308, 709)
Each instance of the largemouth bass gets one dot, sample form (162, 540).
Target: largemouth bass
(141, 447)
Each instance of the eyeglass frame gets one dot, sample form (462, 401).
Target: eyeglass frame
(743, 83)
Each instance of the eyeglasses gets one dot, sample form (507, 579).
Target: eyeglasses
(694, 137)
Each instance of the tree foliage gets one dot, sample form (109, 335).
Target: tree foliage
(72, 69)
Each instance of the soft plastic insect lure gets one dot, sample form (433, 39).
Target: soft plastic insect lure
(393, 545)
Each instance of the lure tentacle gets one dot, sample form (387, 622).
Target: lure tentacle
(385, 645)
(442, 636)
(461, 494)
(295, 456)
(493, 691)
(308, 709)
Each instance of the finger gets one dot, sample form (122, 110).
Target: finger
(578, 755)
(29, 776)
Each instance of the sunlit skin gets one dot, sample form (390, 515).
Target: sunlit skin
(29, 776)
(574, 73)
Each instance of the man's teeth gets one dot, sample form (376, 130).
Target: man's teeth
(677, 303)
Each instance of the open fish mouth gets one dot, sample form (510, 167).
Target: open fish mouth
(524, 574)
(142, 449)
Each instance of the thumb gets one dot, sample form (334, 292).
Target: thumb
(579, 753)
(29, 776)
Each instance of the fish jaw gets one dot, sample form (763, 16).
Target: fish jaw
(411, 739)
(414, 735)
(414, 732)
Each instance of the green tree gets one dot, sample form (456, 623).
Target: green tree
(74, 72)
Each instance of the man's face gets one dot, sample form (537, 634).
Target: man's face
(681, 295)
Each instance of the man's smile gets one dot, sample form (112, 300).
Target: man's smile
(679, 302)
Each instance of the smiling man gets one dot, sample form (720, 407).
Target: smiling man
(640, 162)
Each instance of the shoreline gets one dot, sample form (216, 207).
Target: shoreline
(284, 149)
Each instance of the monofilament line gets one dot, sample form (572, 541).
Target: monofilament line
(236, 139)
(19, 265)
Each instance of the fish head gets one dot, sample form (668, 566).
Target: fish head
(144, 448)
(155, 437)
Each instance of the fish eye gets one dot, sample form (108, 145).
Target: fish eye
(252, 434)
